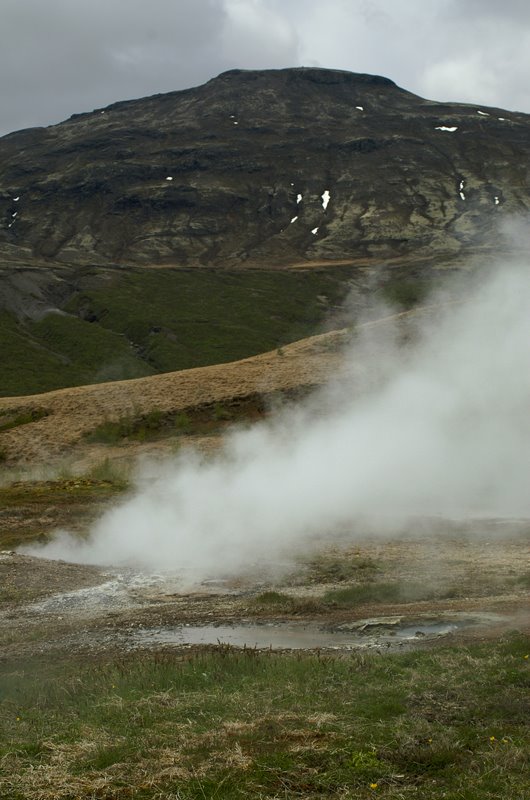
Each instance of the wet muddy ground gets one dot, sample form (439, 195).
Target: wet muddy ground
(473, 586)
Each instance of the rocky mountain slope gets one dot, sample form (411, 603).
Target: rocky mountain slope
(297, 169)
(215, 175)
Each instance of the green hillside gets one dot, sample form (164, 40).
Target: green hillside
(119, 324)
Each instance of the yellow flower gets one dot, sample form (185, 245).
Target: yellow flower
(492, 738)
(373, 786)
(525, 656)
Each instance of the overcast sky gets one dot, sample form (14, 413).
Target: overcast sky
(59, 57)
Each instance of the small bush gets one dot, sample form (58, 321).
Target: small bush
(277, 602)
(108, 432)
(153, 419)
(221, 413)
(106, 470)
(273, 599)
(182, 422)
(365, 763)
(406, 293)
(139, 428)
(335, 569)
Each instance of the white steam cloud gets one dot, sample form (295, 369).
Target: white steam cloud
(442, 428)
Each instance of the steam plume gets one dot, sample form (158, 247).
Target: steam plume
(442, 429)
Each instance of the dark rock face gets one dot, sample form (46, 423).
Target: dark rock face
(263, 168)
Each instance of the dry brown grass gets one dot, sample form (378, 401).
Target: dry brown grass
(74, 411)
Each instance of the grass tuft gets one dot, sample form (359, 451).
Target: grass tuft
(338, 568)
(12, 419)
(377, 592)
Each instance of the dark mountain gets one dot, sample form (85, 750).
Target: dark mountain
(239, 152)
(263, 169)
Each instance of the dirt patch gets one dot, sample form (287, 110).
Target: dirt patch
(24, 579)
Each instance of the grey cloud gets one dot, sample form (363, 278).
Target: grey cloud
(60, 57)
(444, 49)
(509, 10)
(487, 55)
(64, 56)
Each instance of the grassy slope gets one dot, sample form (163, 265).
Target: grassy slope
(62, 351)
(146, 322)
(186, 318)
